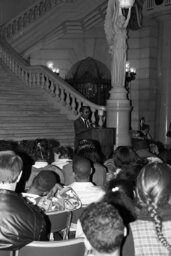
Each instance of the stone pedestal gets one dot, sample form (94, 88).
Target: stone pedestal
(118, 115)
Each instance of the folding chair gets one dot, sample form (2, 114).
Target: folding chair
(60, 221)
(72, 247)
(76, 215)
(7, 253)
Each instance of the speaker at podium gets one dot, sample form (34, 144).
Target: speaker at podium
(104, 136)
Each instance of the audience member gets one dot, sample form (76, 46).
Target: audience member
(41, 157)
(63, 160)
(120, 193)
(103, 229)
(90, 150)
(150, 234)
(20, 221)
(127, 162)
(85, 189)
(41, 185)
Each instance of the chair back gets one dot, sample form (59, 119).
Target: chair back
(7, 253)
(60, 221)
(71, 247)
(76, 215)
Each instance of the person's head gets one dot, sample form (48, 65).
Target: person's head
(154, 184)
(85, 112)
(103, 228)
(40, 150)
(81, 168)
(121, 185)
(10, 169)
(63, 152)
(154, 192)
(120, 193)
(89, 149)
(43, 182)
(125, 155)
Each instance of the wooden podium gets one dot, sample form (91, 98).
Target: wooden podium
(104, 136)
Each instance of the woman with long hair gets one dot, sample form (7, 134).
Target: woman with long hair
(150, 234)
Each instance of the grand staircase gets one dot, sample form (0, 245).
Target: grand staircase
(34, 103)
(26, 113)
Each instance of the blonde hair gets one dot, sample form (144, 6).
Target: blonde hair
(154, 191)
(10, 166)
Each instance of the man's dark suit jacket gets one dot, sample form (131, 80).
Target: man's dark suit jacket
(79, 127)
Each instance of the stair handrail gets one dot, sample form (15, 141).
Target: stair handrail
(69, 99)
(28, 16)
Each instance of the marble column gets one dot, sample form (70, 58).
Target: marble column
(163, 110)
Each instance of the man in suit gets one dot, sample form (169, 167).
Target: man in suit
(82, 123)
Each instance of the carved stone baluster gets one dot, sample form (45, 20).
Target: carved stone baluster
(38, 79)
(79, 106)
(5, 57)
(93, 118)
(47, 85)
(36, 12)
(57, 91)
(9, 31)
(101, 117)
(62, 96)
(16, 68)
(12, 65)
(47, 5)
(73, 105)
(52, 88)
(30, 79)
(42, 80)
(53, 3)
(26, 75)
(68, 101)
(7, 60)
(25, 19)
(34, 79)
(30, 16)
(20, 71)
(20, 23)
(41, 8)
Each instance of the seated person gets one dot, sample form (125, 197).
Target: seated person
(127, 161)
(47, 193)
(20, 221)
(63, 160)
(62, 156)
(103, 229)
(90, 150)
(42, 183)
(41, 158)
(120, 194)
(85, 189)
(150, 234)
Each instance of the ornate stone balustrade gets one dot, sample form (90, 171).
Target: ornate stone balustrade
(66, 97)
(30, 15)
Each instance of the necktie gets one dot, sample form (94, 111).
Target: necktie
(87, 123)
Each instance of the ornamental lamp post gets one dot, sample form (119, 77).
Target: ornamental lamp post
(118, 105)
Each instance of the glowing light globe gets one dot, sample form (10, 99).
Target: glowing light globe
(126, 3)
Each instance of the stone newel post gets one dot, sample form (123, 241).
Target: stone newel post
(118, 106)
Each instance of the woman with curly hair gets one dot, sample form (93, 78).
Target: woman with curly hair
(150, 234)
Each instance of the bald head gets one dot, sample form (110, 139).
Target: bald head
(81, 168)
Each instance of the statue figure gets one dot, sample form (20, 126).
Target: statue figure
(116, 34)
